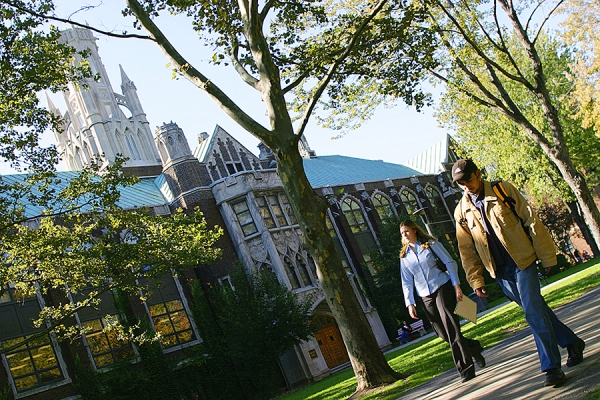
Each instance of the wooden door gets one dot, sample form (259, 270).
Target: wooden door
(332, 346)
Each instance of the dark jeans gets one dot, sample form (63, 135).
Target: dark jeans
(523, 287)
(439, 308)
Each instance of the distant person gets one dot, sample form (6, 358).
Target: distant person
(405, 331)
(577, 256)
(439, 291)
(507, 242)
(585, 255)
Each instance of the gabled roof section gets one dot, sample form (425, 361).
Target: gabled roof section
(143, 194)
(340, 170)
(432, 161)
(208, 145)
(223, 155)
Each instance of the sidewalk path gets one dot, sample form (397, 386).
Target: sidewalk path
(513, 368)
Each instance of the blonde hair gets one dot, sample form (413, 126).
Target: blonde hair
(422, 237)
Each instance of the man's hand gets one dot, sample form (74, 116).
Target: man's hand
(481, 292)
(547, 270)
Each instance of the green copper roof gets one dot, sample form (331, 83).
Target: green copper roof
(321, 171)
(340, 170)
(144, 193)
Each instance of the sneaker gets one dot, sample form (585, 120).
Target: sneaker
(575, 351)
(555, 377)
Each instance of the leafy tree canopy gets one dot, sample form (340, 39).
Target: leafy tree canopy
(583, 19)
(69, 237)
(31, 61)
(494, 53)
(504, 148)
(246, 327)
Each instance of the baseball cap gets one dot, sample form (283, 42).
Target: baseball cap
(462, 169)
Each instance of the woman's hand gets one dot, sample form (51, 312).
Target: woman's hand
(459, 293)
(412, 310)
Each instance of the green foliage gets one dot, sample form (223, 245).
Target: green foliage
(582, 20)
(246, 330)
(504, 147)
(150, 376)
(71, 236)
(304, 39)
(32, 61)
(431, 357)
(5, 393)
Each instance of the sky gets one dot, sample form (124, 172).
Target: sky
(393, 134)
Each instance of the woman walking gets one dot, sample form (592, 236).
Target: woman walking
(440, 291)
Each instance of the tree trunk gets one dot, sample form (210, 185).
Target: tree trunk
(585, 199)
(370, 366)
(585, 231)
(557, 151)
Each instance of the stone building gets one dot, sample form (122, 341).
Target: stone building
(239, 191)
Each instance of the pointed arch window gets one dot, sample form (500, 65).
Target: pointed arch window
(297, 270)
(132, 147)
(290, 270)
(410, 201)
(440, 209)
(338, 245)
(383, 206)
(362, 233)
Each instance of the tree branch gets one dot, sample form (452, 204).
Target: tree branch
(75, 23)
(246, 77)
(476, 48)
(334, 67)
(195, 76)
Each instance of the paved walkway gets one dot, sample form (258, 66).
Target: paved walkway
(513, 368)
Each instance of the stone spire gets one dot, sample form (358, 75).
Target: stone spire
(100, 121)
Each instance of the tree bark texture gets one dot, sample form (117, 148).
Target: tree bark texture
(369, 364)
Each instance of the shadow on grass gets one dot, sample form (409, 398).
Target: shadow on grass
(431, 357)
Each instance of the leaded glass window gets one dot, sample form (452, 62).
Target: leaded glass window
(104, 345)
(34, 364)
(410, 201)
(276, 210)
(383, 206)
(244, 217)
(168, 314)
(171, 320)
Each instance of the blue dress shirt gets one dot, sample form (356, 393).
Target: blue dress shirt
(418, 271)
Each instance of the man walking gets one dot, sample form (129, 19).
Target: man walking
(507, 242)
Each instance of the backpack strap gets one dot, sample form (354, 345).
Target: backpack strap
(503, 196)
(508, 202)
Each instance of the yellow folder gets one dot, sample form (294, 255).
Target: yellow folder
(467, 308)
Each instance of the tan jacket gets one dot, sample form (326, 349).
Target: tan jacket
(472, 240)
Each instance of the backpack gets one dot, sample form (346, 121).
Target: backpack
(508, 202)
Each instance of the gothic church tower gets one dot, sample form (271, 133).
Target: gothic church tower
(100, 121)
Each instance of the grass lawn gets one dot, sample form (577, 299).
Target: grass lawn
(431, 357)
